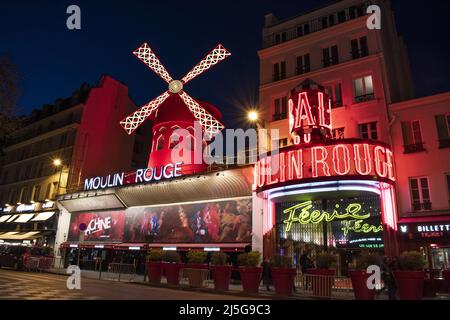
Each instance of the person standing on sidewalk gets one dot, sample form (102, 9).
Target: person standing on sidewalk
(388, 277)
(266, 276)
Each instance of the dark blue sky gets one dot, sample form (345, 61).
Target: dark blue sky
(53, 61)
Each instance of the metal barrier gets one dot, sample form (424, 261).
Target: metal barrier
(122, 270)
(323, 286)
(38, 263)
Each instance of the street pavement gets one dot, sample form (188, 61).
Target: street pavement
(18, 285)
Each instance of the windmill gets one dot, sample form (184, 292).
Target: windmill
(210, 125)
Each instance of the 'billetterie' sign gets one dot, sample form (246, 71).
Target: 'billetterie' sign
(337, 159)
(168, 171)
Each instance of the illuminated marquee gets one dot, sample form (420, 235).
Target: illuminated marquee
(301, 213)
(342, 158)
(168, 171)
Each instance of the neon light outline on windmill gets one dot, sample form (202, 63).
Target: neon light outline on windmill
(210, 125)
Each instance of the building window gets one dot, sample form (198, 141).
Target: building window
(420, 193)
(412, 136)
(447, 176)
(363, 89)
(303, 64)
(360, 48)
(160, 142)
(36, 193)
(280, 37)
(330, 56)
(63, 140)
(443, 130)
(39, 169)
(338, 133)
(279, 71)
(280, 109)
(17, 176)
(335, 94)
(283, 143)
(368, 130)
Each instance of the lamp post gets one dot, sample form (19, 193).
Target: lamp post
(58, 163)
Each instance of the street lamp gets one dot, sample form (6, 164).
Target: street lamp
(58, 163)
(253, 116)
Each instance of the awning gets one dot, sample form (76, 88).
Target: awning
(229, 247)
(131, 246)
(42, 216)
(23, 218)
(14, 235)
(424, 219)
(5, 217)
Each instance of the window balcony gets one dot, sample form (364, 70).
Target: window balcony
(279, 116)
(330, 62)
(413, 148)
(421, 206)
(365, 98)
(302, 70)
(360, 53)
(444, 143)
(336, 104)
(279, 76)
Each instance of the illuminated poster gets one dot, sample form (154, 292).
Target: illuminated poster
(344, 222)
(221, 221)
(101, 226)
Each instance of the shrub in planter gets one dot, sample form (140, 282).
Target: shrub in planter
(359, 276)
(250, 271)
(283, 274)
(155, 266)
(172, 267)
(322, 278)
(410, 276)
(221, 272)
(196, 270)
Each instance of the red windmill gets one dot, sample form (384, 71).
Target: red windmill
(169, 112)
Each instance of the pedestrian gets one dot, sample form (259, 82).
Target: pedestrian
(305, 262)
(389, 265)
(266, 276)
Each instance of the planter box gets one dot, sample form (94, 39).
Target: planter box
(322, 281)
(283, 280)
(221, 276)
(359, 283)
(410, 284)
(251, 278)
(154, 271)
(172, 271)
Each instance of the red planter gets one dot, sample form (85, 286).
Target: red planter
(196, 265)
(172, 271)
(359, 283)
(321, 286)
(251, 278)
(154, 271)
(409, 284)
(446, 275)
(221, 276)
(283, 280)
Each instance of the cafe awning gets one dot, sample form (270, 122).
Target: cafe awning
(425, 219)
(14, 235)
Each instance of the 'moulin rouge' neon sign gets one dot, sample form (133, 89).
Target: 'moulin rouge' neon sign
(338, 158)
(301, 213)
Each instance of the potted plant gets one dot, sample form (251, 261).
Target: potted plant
(250, 271)
(221, 271)
(322, 278)
(196, 269)
(283, 274)
(359, 275)
(155, 266)
(172, 267)
(410, 276)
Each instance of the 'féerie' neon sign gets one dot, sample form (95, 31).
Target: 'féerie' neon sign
(301, 213)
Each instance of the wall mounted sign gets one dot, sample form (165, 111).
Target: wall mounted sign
(26, 207)
(426, 230)
(340, 158)
(168, 171)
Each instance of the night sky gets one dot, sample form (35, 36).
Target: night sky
(54, 61)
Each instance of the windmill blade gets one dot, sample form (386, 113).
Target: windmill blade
(218, 54)
(147, 56)
(209, 124)
(133, 121)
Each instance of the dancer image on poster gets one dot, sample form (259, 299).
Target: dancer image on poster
(228, 223)
(212, 221)
(198, 227)
(244, 227)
